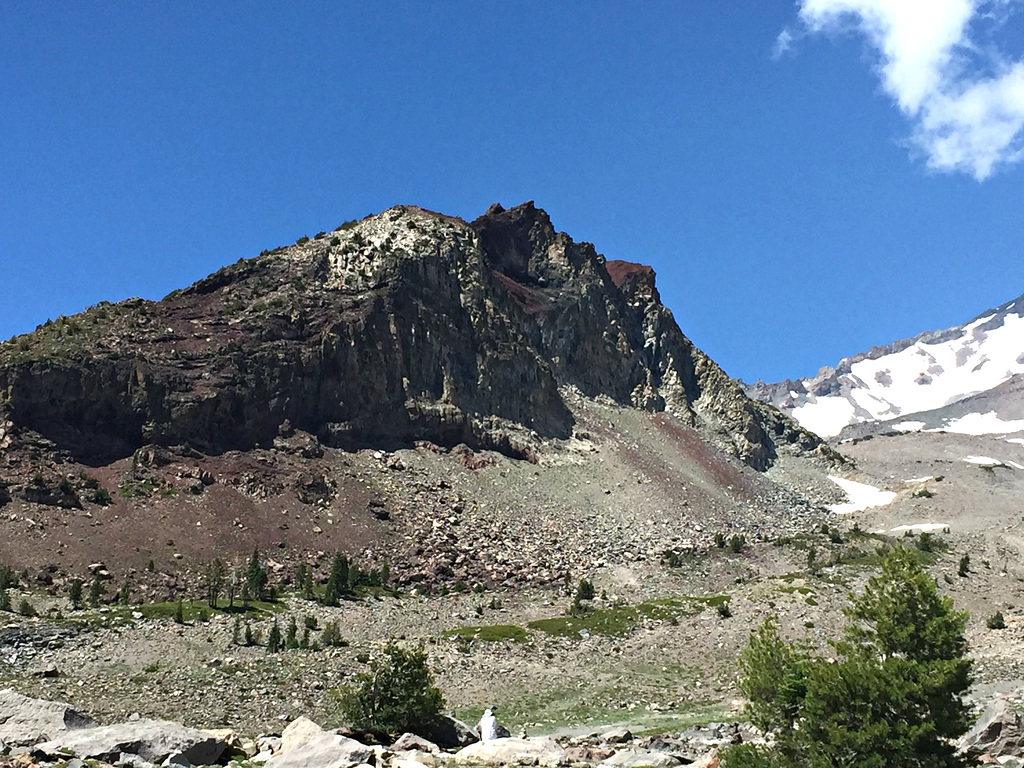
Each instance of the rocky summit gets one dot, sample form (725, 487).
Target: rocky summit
(404, 326)
(536, 478)
(497, 340)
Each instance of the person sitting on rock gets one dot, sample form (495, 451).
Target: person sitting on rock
(488, 726)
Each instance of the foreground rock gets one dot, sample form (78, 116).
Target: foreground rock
(410, 741)
(642, 758)
(152, 740)
(512, 751)
(324, 750)
(999, 732)
(25, 721)
(299, 732)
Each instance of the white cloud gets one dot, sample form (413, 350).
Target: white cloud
(783, 43)
(966, 100)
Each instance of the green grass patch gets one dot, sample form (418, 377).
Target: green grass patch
(492, 633)
(610, 693)
(798, 590)
(618, 621)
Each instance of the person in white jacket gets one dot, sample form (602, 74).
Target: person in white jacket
(488, 726)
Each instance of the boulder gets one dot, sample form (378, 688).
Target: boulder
(588, 754)
(646, 758)
(25, 721)
(512, 751)
(128, 760)
(449, 732)
(326, 750)
(413, 760)
(409, 741)
(152, 740)
(298, 732)
(235, 744)
(710, 760)
(615, 736)
(999, 731)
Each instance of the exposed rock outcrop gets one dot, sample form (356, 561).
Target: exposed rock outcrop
(406, 326)
(25, 721)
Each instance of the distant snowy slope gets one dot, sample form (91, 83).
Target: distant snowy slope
(914, 376)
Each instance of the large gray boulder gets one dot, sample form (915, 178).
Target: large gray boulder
(326, 750)
(543, 752)
(642, 758)
(998, 732)
(152, 740)
(410, 741)
(25, 721)
(298, 732)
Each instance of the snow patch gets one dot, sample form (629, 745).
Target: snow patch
(949, 380)
(983, 461)
(861, 496)
(1017, 440)
(826, 416)
(982, 424)
(920, 479)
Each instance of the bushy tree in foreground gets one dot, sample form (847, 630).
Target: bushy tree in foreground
(396, 695)
(894, 696)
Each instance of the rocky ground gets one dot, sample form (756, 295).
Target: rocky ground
(656, 653)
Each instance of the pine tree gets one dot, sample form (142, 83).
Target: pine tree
(274, 644)
(291, 638)
(75, 593)
(337, 582)
(397, 694)
(95, 591)
(895, 696)
(256, 577)
(214, 582)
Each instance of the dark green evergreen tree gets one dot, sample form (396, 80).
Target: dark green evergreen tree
(894, 697)
(95, 591)
(397, 694)
(274, 644)
(291, 636)
(75, 593)
(337, 581)
(256, 577)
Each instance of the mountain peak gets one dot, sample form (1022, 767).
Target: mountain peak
(407, 325)
(912, 383)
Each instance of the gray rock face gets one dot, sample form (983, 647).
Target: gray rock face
(406, 326)
(998, 732)
(410, 741)
(642, 758)
(25, 721)
(513, 751)
(298, 732)
(152, 740)
(327, 750)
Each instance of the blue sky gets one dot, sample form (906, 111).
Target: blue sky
(808, 179)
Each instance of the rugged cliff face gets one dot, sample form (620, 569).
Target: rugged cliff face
(405, 326)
